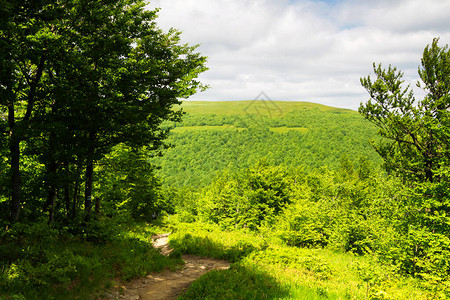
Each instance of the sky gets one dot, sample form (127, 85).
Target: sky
(304, 50)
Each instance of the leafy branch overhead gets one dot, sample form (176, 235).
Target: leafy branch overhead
(416, 144)
(79, 77)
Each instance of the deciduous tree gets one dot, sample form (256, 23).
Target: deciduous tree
(78, 77)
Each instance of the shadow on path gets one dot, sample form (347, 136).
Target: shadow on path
(168, 284)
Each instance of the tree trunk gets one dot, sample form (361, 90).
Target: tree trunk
(14, 148)
(429, 171)
(16, 195)
(67, 200)
(89, 176)
(88, 189)
(51, 200)
(14, 140)
(49, 205)
(75, 197)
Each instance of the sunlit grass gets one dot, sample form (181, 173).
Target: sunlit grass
(277, 271)
(267, 108)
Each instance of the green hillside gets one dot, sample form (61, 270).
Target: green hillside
(237, 134)
(268, 108)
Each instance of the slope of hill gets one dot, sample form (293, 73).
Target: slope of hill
(236, 134)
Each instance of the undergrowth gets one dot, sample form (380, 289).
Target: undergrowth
(265, 268)
(40, 262)
(211, 241)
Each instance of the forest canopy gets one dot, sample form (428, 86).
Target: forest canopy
(78, 78)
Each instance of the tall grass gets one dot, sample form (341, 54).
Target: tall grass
(39, 262)
(265, 268)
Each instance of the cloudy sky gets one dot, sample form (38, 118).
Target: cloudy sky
(304, 50)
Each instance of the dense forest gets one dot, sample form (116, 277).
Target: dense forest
(237, 134)
(99, 153)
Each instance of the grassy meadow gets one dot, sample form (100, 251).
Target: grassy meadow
(267, 108)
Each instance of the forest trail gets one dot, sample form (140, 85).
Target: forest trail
(168, 284)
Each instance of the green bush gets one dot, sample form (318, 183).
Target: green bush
(248, 199)
(303, 225)
(425, 255)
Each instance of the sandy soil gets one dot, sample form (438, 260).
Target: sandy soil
(168, 284)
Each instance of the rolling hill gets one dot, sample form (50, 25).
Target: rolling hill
(236, 134)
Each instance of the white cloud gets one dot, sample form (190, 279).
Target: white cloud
(304, 50)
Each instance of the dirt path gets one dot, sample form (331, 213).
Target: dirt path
(168, 284)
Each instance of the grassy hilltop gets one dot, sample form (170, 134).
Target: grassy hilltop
(264, 107)
(236, 134)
